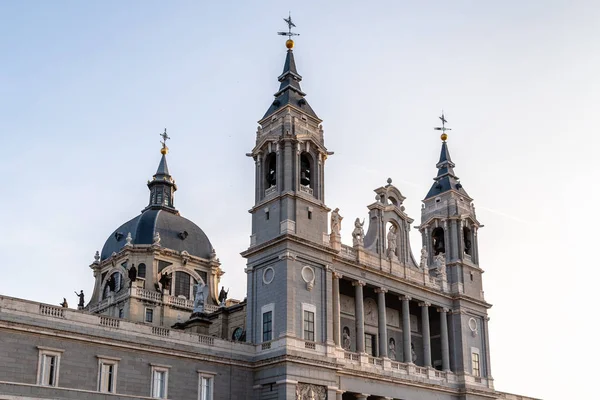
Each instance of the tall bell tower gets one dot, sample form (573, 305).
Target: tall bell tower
(289, 279)
(289, 160)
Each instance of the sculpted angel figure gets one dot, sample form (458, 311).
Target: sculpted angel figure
(424, 256)
(358, 234)
(199, 298)
(391, 239)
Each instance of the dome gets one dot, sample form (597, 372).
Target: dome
(176, 233)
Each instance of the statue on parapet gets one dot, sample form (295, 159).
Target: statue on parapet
(424, 257)
(336, 221)
(439, 264)
(64, 303)
(199, 298)
(358, 234)
(81, 300)
(223, 296)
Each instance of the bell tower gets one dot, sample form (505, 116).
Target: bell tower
(289, 160)
(449, 225)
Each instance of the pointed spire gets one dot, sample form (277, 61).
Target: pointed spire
(446, 179)
(289, 92)
(162, 186)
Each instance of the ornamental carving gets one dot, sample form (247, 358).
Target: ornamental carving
(370, 311)
(347, 304)
(307, 391)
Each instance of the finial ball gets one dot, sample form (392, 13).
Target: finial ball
(164, 150)
(289, 44)
(444, 137)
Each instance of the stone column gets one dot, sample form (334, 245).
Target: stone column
(475, 247)
(426, 335)
(447, 247)
(336, 308)
(488, 364)
(360, 316)
(444, 336)
(339, 394)
(362, 396)
(382, 322)
(406, 329)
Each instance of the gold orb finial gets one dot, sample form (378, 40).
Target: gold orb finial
(444, 137)
(164, 150)
(289, 44)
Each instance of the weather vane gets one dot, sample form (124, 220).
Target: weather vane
(443, 127)
(291, 25)
(164, 142)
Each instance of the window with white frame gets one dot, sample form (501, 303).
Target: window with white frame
(205, 385)
(160, 381)
(309, 312)
(475, 362)
(267, 312)
(107, 374)
(48, 366)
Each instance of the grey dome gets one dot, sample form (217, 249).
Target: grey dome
(176, 233)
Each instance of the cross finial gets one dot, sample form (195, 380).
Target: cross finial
(164, 142)
(291, 25)
(443, 127)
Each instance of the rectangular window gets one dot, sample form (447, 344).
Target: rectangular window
(267, 326)
(205, 382)
(107, 374)
(48, 366)
(475, 364)
(182, 284)
(309, 325)
(160, 381)
(149, 314)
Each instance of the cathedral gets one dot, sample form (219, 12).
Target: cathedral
(321, 320)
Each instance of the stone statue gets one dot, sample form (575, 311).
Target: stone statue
(132, 274)
(424, 256)
(358, 234)
(199, 298)
(97, 256)
(64, 303)
(81, 299)
(223, 296)
(111, 283)
(165, 282)
(346, 339)
(413, 353)
(128, 239)
(391, 241)
(156, 239)
(336, 221)
(392, 349)
(439, 263)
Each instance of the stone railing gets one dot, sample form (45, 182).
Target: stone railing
(180, 302)
(146, 294)
(52, 311)
(306, 189)
(348, 252)
(110, 322)
(160, 331)
(270, 191)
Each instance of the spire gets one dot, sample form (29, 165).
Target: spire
(162, 186)
(445, 180)
(289, 92)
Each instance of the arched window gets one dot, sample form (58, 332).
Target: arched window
(184, 285)
(141, 273)
(438, 244)
(305, 170)
(271, 171)
(113, 284)
(467, 240)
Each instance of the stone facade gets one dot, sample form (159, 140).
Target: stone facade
(322, 319)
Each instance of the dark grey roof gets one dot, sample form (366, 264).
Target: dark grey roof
(170, 226)
(446, 179)
(289, 89)
(163, 168)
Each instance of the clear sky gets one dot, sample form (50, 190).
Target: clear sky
(87, 86)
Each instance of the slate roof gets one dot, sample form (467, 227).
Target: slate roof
(446, 179)
(289, 92)
(170, 226)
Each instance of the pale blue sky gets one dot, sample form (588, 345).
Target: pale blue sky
(87, 86)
